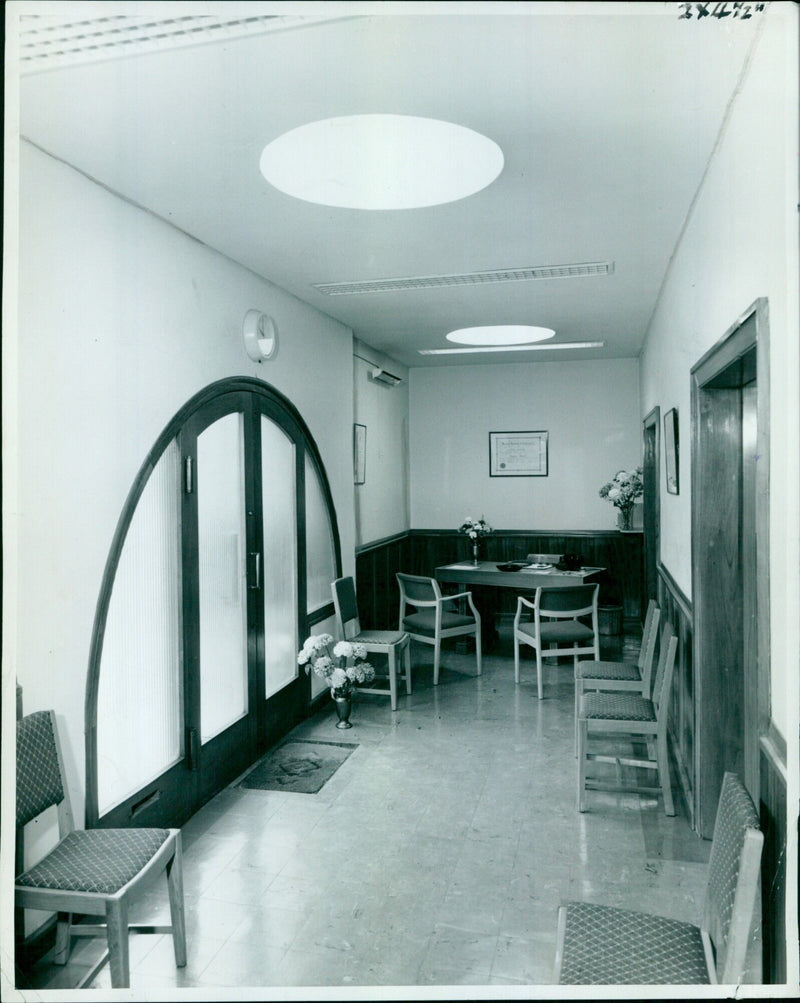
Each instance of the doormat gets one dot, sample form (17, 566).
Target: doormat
(300, 767)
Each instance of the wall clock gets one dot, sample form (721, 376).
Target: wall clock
(260, 335)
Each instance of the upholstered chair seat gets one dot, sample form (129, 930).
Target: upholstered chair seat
(95, 860)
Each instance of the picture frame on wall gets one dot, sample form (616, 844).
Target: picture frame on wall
(518, 454)
(671, 451)
(359, 453)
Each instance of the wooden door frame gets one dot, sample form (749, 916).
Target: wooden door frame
(737, 343)
(653, 420)
(276, 403)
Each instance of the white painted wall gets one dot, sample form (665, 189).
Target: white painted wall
(121, 320)
(381, 502)
(589, 409)
(740, 244)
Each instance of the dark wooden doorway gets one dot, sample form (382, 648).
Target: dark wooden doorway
(651, 503)
(730, 559)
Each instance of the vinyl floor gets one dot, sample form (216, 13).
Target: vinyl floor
(437, 855)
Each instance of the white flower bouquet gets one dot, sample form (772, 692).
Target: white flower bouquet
(623, 490)
(475, 528)
(341, 666)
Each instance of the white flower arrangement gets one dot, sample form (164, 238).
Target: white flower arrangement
(342, 667)
(623, 490)
(475, 528)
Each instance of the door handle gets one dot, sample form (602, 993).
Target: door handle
(257, 570)
(193, 752)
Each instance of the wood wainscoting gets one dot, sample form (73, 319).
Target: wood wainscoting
(421, 551)
(677, 609)
(773, 812)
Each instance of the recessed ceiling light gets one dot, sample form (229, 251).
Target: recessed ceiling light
(510, 348)
(507, 334)
(381, 162)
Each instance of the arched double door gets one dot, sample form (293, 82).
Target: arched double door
(223, 559)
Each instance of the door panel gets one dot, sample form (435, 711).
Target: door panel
(221, 565)
(140, 692)
(279, 520)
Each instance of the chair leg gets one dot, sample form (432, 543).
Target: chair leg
(663, 773)
(539, 671)
(478, 647)
(407, 657)
(176, 909)
(578, 694)
(583, 738)
(436, 652)
(117, 932)
(516, 659)
(63, 938)
(392, 678)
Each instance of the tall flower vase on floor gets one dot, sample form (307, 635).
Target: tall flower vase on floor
(342, 669)
(343, 707)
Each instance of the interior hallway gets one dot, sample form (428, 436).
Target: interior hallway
(437, 854)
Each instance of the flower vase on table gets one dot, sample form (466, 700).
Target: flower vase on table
(475, 529)
(625, 519)
(622, 492)
(342, 669)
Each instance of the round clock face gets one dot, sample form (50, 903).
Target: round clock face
(260, 335)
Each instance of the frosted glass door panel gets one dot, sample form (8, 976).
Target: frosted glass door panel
(280, 556)
(222, 564)
(320, 554)
(139, 707)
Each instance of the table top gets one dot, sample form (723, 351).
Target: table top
(487, 573)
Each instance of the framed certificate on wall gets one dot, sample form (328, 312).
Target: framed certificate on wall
(518, 454)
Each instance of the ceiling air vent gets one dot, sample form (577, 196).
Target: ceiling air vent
(466, 279)
(52, 40)
(382, 376)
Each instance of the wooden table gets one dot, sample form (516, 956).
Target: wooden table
(486, 575)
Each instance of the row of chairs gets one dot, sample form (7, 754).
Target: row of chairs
(599, 944)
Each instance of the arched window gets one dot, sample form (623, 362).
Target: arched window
(221, 564)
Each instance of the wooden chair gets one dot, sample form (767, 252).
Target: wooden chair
(616, 676)
(564, 606)
(92, 872)
(434, 622)
(603, 945)
(630, 716)
(385, 642)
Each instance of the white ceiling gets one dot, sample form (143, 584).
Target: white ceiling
(607, 116)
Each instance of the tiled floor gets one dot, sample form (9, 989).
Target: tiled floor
(436, 855)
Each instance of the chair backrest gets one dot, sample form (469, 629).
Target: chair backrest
(662, 685)
(733, 872)
(344, 603)
(417, 590)
(649, 638)
(569, 601)
(40, 770)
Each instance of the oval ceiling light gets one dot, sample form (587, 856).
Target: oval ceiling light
(381, 162)
(509, 334)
